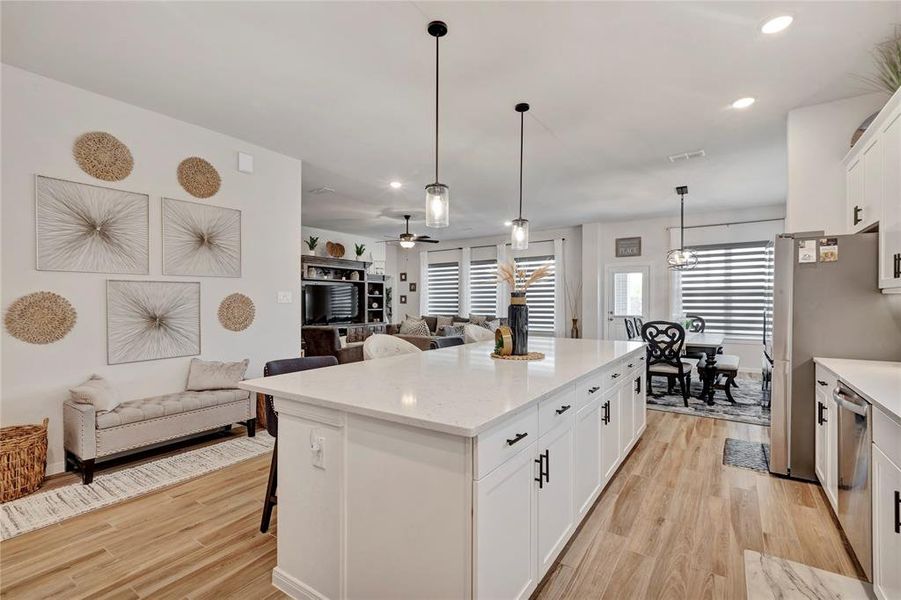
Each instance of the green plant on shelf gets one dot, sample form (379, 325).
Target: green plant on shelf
(359, 249)
(312, 242)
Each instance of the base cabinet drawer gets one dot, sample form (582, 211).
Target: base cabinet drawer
(886, 527)
(505, 440)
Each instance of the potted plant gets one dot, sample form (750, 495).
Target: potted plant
(519, 281)
(359, 249)
(311, 243)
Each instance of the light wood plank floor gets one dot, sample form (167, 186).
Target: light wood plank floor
(672, 524)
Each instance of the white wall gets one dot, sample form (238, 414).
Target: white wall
(599, 253)
(375, 248)
(40, 120)
(819, 137)
(408, 261)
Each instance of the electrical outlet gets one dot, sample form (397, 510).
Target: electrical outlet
(317, 447)
(285, 297)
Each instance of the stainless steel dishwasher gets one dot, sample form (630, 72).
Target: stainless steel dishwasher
(854, 451)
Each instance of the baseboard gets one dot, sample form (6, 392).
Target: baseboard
(56, 468)
(293, 587)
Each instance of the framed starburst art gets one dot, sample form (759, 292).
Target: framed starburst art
(201, 240)
(90, 229)
(149, 320)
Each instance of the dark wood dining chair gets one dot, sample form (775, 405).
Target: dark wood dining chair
(697, 324)
(638, 323)
(281, 367)
(665, 341)
(630, 328)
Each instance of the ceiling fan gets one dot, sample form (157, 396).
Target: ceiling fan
(408, 240)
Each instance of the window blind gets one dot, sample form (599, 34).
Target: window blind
(483, 287)
(731, 288)
(541, 295)
(444, 288)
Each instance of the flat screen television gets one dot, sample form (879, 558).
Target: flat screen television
(327, 303)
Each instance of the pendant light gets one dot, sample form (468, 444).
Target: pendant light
(682, 259)
(437, 195)
(519, 235)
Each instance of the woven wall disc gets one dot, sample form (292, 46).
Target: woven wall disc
(101, 155)
(40, 318)
(236, 312)
(198, 177)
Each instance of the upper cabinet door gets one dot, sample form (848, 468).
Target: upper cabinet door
(855, 195)
(873, 176)
(505, 514)
(886, 527)
(890, 222)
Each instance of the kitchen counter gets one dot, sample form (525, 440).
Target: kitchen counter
(459, 390)
(878, 381)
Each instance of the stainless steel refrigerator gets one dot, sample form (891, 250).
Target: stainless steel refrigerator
(821, 307)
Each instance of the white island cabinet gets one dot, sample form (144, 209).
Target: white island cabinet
(447, 474)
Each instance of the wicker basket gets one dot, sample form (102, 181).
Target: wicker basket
(23, 459)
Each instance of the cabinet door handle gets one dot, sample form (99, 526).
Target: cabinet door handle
(821, 382)
(897, 270)
(540, 478)
(593, 389)
(518, 437)
(547, 465)
(638, 385)
(563, 409)
(819, 413)
(606, 418)
(897, 511)
(857, 211)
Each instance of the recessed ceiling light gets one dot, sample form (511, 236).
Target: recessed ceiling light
(777, 24)
(743, 102)
(508, 223)
(396, 185)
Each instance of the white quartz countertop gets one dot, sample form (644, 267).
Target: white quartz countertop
(459, 390)
(877, 381)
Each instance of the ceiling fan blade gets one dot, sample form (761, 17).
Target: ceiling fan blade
(427, 241)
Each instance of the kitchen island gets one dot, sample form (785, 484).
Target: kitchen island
(447, 474)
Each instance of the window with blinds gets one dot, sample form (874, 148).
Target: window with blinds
(731, 288)
(444, 289)
(483, 287)
(540, 296)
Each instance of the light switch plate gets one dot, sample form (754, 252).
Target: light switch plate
(285, 297)
(245, 162)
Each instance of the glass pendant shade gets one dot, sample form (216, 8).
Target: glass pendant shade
(405, 244)
(519, 236)
(681, 259)
(437, 205)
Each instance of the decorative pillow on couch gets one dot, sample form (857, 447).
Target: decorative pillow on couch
(414, 327)
(455, 329)
(476, 333)
(441, 323)
(96, 391)
(214, 375)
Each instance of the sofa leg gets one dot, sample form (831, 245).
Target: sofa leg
(87, 471)
(251, 425)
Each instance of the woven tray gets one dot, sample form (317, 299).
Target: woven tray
(529, 356)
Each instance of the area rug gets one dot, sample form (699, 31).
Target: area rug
(747, 455)
(746, 410)
(46, 508)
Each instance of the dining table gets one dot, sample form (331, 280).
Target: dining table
(709, 344)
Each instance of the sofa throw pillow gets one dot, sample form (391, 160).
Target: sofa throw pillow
(97, 391)
(481, 320)
(476, 333)
(215, 375)
(454, 330)
(493, 324)
(414, 327)
(442, 322)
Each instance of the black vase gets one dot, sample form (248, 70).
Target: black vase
(518, 320)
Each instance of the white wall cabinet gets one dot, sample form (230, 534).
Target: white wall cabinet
(886, 526)
(873, 189)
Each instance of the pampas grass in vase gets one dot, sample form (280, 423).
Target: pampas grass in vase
(519, 281)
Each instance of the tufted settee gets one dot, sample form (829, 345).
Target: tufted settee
(90, 435)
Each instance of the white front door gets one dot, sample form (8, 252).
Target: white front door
(627, 297)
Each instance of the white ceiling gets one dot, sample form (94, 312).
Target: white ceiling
(348, 87)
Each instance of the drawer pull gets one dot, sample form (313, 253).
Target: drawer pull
(821, 382)
(629, 366)
(563, 409)
(614, 376)
(593, 389)
(518, 437)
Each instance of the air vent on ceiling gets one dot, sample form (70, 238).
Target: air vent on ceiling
(686, 156)
(322, 190)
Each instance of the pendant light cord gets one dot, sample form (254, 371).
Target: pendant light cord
(437, 39)
(522, 133)
(682, 224)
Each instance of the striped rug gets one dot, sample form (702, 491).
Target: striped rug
(46, 508)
